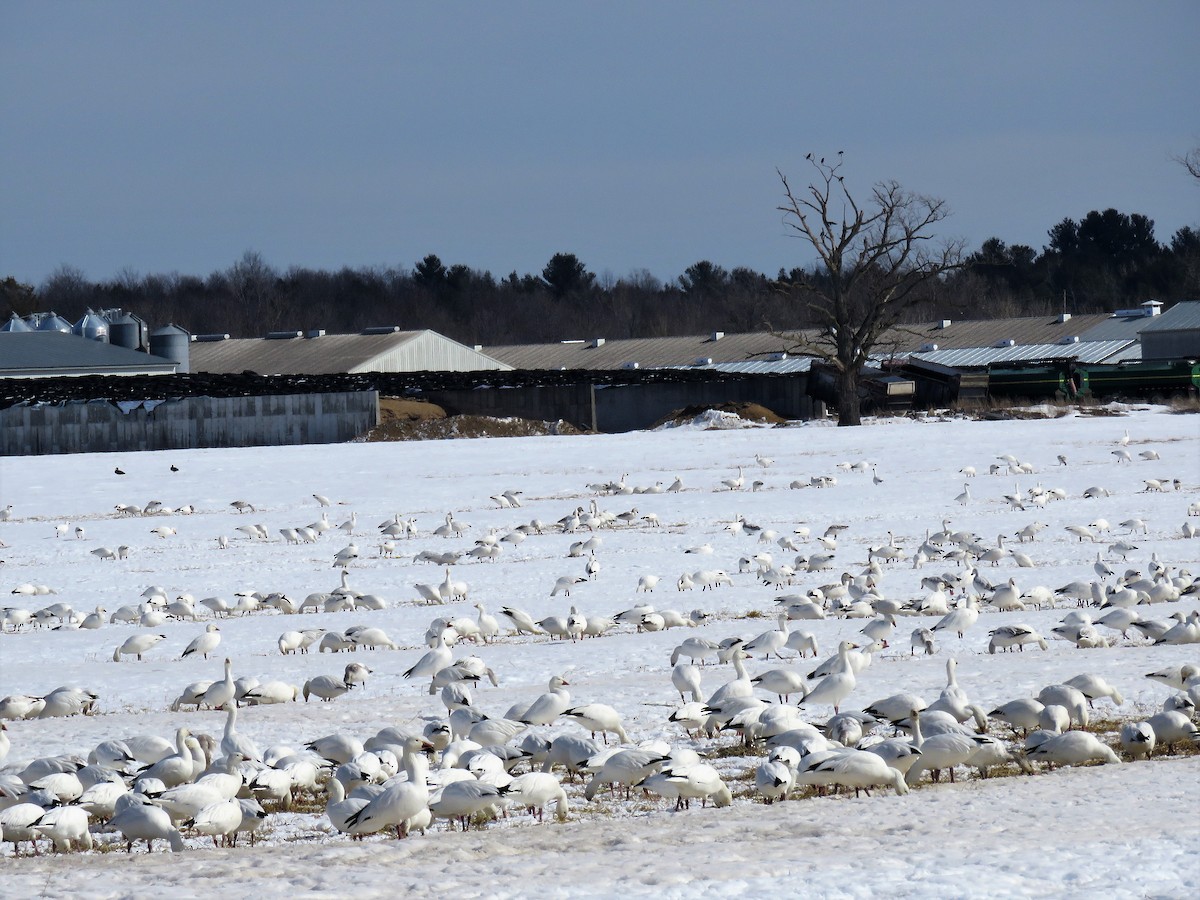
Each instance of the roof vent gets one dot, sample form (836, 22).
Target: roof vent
(716, 335)
(703, 361)
(316, 332)
(1064, 317)
(596, 342)
(209, 338)
(1005, 342)
(630, 365)
(927, 348)
(283, 335)
(1151, 308)
(945, 323)
(777, 357)
(478, 348)
(1072, 339)
(382, 329)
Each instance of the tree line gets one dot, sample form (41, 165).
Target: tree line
(1104, 261)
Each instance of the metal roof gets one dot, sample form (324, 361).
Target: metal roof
(648, 353)
(1183, 316)
(328, 354)
(790, 366)
(977, 357)
(755, 346)
(54, 353)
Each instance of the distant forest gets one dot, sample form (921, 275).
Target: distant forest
(1106, 260)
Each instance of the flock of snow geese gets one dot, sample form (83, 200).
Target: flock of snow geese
(794, 722)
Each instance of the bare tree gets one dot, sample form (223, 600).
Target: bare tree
(874, 258)
(1191, 162)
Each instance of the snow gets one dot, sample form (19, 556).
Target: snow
(1125, 830)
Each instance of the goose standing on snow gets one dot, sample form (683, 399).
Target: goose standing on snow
(205, 643)
(137, 645)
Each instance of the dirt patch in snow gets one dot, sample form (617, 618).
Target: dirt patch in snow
(404, 419)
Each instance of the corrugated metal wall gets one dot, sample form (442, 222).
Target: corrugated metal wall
(101, 426)
(1181, 344)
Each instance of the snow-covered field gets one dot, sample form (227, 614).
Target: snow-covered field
(1124, 830)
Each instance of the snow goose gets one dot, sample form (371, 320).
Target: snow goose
(960, 619)
(599, 717)
(861, 770)
(694, 648)
(1023, 713)
(1137, 739)
(464, 799)
(1171, 727)
(771, 641)
(146, 822)
(521, 620)
(534, 790)
(1073, 748)
(221, 692)
(217, 820)
(137, 645)
(896, 707)
(624, 767)
(205, 643)
(399, 802)
(550, 705)
(838, 685)
(781, 682)
(1006, 637)
(940, 751)
(233, 743)
(325, 687)
(687, 783)
(1069, 698)
(1176, 677)
(436, 659)
(1094, 687)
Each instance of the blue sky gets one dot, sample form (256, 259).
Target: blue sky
(165, 137)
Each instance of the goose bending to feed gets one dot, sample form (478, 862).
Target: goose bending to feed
(1094, 687)
(217, 820)
(1137, 739)
(463, 799)
(1006, 637)
(146, 822)
(686, 679)
(325, 687)
(940, 751)
(534, 790)
(521, 620)
(625, 767)
(1074, 748)
(137, 645)
(861, 770)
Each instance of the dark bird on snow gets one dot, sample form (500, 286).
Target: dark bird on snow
(118, 471)
(174, 468)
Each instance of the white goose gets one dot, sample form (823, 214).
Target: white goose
(550, 705)
(836, 686)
